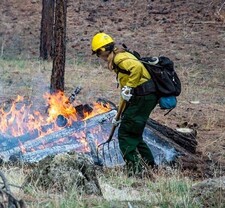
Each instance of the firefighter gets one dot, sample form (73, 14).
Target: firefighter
(138, 90)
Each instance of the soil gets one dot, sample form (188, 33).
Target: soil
(191, 33)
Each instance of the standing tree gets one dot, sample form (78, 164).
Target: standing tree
(58, 70)
(47, 22)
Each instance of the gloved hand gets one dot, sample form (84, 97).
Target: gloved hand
(116, 122)
(126, 93)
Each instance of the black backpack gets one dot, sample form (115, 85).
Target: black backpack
(162, 72)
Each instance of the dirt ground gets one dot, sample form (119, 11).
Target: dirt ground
(191, 33)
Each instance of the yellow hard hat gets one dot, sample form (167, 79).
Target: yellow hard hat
(100, 40)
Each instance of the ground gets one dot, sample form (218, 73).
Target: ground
(191, 33)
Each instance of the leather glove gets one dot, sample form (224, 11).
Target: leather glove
(116, 122)
(126, 93)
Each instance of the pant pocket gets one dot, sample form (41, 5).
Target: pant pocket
(132, 127)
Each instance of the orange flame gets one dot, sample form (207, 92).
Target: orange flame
(19, 119)
(59, 105)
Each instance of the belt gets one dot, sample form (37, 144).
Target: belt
(145, 89)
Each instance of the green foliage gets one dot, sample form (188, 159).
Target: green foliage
(19, 64)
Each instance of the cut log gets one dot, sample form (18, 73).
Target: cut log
(186, 144)
(186, 141)
(8, 142)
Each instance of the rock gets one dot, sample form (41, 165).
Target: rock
(210, 192)
(65, 172)
(7, 200)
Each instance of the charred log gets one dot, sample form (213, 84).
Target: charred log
(82, 110)
(36, 143)
(61, 121)
(184, 140)
(9, 142)
(184, 143)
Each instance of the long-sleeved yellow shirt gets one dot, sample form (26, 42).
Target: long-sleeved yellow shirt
(138, 73)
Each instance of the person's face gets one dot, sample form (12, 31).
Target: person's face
(102, 54)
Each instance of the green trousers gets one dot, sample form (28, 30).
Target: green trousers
(131, 129)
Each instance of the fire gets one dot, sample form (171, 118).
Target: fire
(59, 105)
(97, 109)
(19, 119)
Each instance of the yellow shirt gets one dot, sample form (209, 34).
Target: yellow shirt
(138, 73)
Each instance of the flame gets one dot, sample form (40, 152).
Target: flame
(19, 119)
(97, 109)
(59, 105)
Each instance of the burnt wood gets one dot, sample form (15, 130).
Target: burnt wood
(185, 143)
(184, 140)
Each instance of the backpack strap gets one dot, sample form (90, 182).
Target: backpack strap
(123, 71)
(119, 70)
(143, 89)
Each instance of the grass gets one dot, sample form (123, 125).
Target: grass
(169, 190)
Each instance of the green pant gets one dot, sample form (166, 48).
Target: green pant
(131, 129)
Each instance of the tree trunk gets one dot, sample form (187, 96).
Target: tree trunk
(58, 70)
(47, 22)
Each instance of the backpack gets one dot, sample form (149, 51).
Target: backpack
(164, 76)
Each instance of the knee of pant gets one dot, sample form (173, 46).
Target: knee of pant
(127, 150)
(132, 127)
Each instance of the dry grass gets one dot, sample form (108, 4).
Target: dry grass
(170, 188)
(31, 79)
(95, 80)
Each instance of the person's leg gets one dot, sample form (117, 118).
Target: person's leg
(130, 134)
(150, 101)
(128, 148)
(131, 129)
(146, 154)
